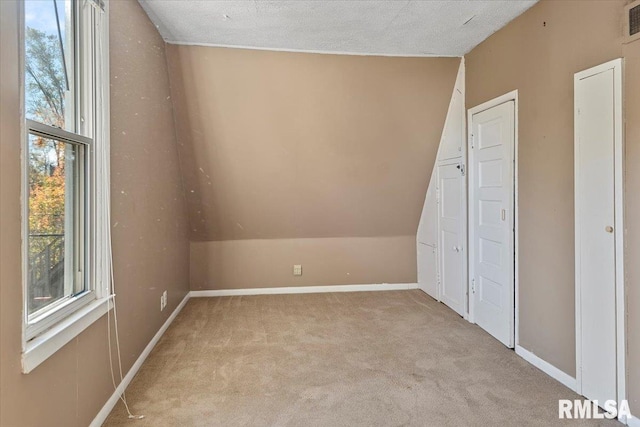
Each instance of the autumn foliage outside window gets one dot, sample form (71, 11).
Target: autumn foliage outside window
(66, 253)
(54, 171)
(46, 90)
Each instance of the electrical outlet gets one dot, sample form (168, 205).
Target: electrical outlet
(297, 270)
(165, 297)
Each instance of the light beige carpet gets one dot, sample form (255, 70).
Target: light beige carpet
(340, 359)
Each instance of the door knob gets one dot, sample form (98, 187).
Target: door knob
(608, 229)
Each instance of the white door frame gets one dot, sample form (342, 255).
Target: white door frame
(511, 96)
(615, 65)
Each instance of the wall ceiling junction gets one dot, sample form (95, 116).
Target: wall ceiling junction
(397, 28)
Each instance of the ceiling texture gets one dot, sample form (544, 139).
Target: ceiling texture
(394, 28)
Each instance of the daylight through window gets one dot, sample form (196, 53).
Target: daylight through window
(61, 76)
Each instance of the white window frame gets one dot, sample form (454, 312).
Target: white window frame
(43, 336)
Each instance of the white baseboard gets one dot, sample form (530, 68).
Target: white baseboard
(111, 403)
(547, 368)
(304, 290)
(633, 422)
(113, 400)
(100, 418)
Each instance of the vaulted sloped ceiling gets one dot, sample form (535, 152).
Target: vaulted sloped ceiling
(280, 145)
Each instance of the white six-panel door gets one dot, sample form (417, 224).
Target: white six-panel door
(491, 188)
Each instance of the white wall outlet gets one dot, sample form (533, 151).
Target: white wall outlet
(297, 270)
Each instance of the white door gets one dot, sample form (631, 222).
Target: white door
(492, 220)
(452, 240)
(427, 269)
(595, 237)
(426, 242)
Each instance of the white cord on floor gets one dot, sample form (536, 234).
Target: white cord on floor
(123, 396)
(103, 155)
(103, 196)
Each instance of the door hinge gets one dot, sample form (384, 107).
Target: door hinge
(473, 286)
(473, 139)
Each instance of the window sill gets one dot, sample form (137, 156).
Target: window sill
(45, 345)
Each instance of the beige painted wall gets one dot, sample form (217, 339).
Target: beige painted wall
(302, 155)
(281, 145)
(238, 264)
(538, 54)
(150, 240)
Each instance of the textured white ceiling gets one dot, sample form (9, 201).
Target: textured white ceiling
(403, 28)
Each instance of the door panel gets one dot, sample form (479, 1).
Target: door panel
(595, 242)
(452, 146)
(428, 270)
(427, 241)
(451, 217)
(492, 221)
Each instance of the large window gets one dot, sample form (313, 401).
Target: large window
(66, 161)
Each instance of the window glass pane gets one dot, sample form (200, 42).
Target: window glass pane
(55, 227)
(49, 63)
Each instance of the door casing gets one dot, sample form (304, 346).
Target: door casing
(511, 96)
(615, 65)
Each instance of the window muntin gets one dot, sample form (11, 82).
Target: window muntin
(56, 223)
(61, 74)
